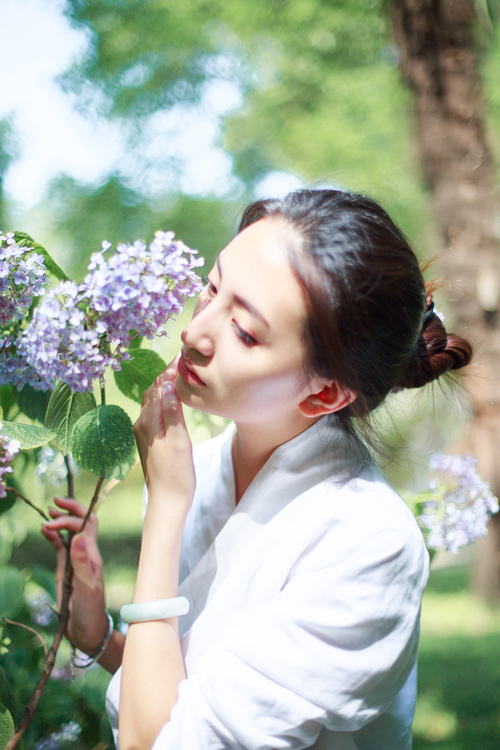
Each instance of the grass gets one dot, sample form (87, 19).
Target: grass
(458, 704)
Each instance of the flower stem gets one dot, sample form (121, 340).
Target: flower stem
(38, 510)
(31, 630)
(103, 395)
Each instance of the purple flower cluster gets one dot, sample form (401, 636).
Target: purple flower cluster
(78, 331)
(22, 277)
(461, 503)
(8, 449)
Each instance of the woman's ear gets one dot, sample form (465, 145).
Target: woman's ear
(331, 398)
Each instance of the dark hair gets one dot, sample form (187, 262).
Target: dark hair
(370, 325)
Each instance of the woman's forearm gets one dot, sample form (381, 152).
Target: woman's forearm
(152, 660)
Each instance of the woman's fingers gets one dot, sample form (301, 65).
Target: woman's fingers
(71, 506)
(70, 523)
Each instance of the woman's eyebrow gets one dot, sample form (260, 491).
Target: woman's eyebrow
(243, 302)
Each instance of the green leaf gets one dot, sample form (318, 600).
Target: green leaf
(137, 374)
(29, 435)
(135, 340)
(7, 727)
(102, 439)
(120, 472)
(33, 403)
(24, 240)
(8, 399)
(6, 696)
(11, 591)
(64, 410)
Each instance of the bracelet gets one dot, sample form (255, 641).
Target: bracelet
(88, 661)
(158, 610)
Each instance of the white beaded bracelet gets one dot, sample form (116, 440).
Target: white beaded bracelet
(157, 610)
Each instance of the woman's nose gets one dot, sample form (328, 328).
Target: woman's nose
(198, 334)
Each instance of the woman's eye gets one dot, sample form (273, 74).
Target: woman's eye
(211, 288)
(243, 335)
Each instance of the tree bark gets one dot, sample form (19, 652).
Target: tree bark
(438, 60)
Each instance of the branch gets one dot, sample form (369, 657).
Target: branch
(32, 505)
(38, 510)
(93, 502)
(32, 630)
(30, 708)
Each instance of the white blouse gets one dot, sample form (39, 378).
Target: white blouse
(305, 601)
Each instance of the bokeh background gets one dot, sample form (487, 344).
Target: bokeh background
(120, 117)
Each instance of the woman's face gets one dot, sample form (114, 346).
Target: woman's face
(243, 356)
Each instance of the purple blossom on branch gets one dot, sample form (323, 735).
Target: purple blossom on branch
(456, 511)
(78, 331)
(23, 276)
(8, 449)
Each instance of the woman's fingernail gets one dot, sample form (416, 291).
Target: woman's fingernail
(169, 389)
(80, 542)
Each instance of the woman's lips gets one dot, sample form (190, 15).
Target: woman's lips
(187, 374)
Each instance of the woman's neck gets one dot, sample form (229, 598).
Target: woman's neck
(253, 445)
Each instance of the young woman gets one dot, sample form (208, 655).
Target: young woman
(303, 568)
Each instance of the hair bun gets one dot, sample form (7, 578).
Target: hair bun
(437, 352)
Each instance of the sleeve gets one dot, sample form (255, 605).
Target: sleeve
(333, 648)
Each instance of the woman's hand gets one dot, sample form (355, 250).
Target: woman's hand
(163, 442)
(87, 623)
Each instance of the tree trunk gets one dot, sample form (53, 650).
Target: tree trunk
(438, 61)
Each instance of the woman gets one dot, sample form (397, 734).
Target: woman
(304, 570)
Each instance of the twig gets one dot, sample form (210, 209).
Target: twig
(38, 510)
(30, 707)
(32, 630)
(28, 502)
(69, 474)
(93, 502)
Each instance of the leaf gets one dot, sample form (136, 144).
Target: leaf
(8, 399)
(137, 374)
(6, 696)
(11, 591)
(121, 470)
(64, 409)
(29, 435)
(24, 240)
(7, 727)
(135, 340)
(102, 439)
(33, 403)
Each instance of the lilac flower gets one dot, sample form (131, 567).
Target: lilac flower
(459, 503)
(67, 734)
(40, 606)
(8, 449)
(51, 467)
(58, 345)
(22, 277)
(77, 332)
(15, 368)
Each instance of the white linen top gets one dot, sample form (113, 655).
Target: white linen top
(305, 601)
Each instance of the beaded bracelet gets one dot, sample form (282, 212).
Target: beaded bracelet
(98, 653)
(157, 610)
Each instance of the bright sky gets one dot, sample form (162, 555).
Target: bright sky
(38, 44)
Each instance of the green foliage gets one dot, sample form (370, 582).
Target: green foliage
(64, 410)
(102, 439)
(24, 240)
(6, 726)
(28, 435)
(6, 695)
(33, 403)
(138, 373)
(11, 591)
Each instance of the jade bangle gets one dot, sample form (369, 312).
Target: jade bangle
(158, 610)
